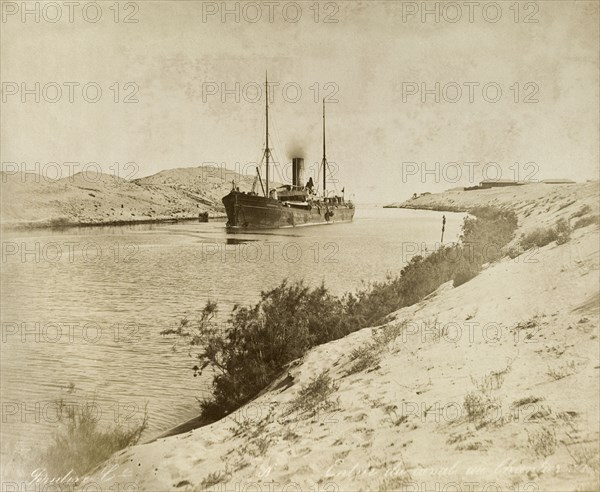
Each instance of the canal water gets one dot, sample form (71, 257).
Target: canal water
(83, 308)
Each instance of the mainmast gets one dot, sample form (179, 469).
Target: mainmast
(267, 133)
(324, 156)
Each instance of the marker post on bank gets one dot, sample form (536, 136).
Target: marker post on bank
(443, 227)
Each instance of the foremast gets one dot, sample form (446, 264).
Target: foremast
(324, 162)
(267, 150)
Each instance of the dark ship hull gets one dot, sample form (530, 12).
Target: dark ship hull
(246, 211)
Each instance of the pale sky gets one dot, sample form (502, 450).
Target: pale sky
(176, 58)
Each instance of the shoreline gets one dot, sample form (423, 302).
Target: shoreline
(431, 208)
(28, 226)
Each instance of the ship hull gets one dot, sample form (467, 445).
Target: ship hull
(248, 212)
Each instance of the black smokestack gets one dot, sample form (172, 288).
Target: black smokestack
(298, 171)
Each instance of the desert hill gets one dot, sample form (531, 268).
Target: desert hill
(31, 200)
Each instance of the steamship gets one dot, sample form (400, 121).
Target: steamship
(292, 205)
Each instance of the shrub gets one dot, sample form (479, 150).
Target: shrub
(491, 381)
(396, 418)
(562, 371)
(586, 209)
(387, 335)
(315, 396)
(256, 344)
(214, 478)
(465, 271)
(513, 252)
(566, 204)
(484, 235)
(540, 237)
(80, 444)
(586, 221)
(542, 442)
(395, 483)
(488, 233)
(585, 455)
(477, 405)
(528, 400)
(420, 277)
(563, 231)
(363, 358)
(59, 222)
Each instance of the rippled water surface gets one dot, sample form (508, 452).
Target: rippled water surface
(86, 306)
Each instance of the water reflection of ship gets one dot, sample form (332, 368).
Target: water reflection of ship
(292, 205)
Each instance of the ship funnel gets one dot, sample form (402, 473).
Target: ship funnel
(298, 172)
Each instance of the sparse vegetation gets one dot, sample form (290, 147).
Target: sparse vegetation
(542, 442)
(561, 233)
(586, 221)
(439, 330)
(81, 444)
(474, 446)
(365, 357)
(566, 204)
(394, 483)
(542, 412)
(485, 233)
(214, 478)
(459, 437)
(492, 380)
(247, 426)
(289, 435)
(586, 209)
(388, 334)
(261, 444)
(562, 371)
(395, 417)
(585, 455)
(478, 404)
(538, 238)
(255, 435)
(315, 396)
(58, 222)
(528, 400)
